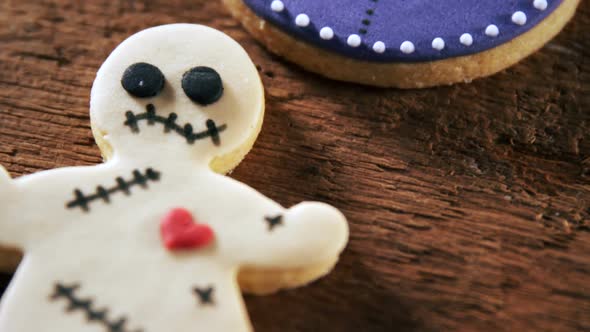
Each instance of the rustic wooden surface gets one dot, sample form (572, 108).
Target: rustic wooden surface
(469, 205)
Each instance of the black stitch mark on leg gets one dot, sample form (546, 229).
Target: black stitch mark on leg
(205, 295)
(274, 221)
(366, 21)
(170, 124)
(75, 303)
(97, 315)
(118, 326)
(104, 194)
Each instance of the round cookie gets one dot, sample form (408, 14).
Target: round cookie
(154, 239)
(404, 44)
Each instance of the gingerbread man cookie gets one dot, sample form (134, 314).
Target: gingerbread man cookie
(399, 43)
(153, 240)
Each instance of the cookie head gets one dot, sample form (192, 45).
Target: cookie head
(182, 90)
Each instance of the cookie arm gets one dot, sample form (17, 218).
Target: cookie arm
(4, 176)
(299, 245)
(9, 237)
(307, 234)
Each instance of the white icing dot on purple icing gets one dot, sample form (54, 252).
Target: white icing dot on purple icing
(466, 39)
(407, 47)
(540, 4)
(302, 20)
(379, 47)
(519, 18)
(326, 33)
(277, 6)
(438, 44)
(492, 31)
(354, 40)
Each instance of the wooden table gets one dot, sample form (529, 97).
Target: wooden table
(469, 205)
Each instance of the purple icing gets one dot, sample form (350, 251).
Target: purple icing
(396, 21)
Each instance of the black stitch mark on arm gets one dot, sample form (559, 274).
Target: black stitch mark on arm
(366, 22)
(205, 295)
(104, 194)
(274, 221)
(93, 315)
(170, 124)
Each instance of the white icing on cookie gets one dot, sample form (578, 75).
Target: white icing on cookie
(326, 33)
(407, 47)
(277, 6)
(94, 233)
(379, 47)
(438, 44)
(354, 40)
(492, 30)
(540, 4)
(519, 18)
(302, 20)
(466, 39)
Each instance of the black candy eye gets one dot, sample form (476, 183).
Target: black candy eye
(143, 80)
(202, 85)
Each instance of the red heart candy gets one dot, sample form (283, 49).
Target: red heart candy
(180, 231)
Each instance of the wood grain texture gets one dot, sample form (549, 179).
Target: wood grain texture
(469, 205)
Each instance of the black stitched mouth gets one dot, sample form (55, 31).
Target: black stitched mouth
(170, 124)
